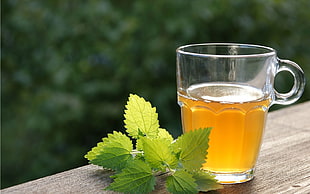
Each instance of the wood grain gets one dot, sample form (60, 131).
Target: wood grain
(283, 165)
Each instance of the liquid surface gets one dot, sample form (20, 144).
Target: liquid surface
(237, 114)
(224, 93)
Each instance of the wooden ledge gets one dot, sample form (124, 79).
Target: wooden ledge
(283, 165)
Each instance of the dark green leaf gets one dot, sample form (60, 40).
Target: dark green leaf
(137, 178)
(181, 182)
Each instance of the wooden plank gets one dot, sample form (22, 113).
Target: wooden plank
(283, 165)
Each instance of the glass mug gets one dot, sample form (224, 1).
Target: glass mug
(230, 88)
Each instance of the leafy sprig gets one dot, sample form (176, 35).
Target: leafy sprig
(155, 154)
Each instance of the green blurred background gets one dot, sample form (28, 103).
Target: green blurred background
(69, 66)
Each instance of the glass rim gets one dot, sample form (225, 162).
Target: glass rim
(268, 50)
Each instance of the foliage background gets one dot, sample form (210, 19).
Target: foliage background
(69, 66)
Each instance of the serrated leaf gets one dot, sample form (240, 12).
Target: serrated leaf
(140, 117)
(158, 154)
(181, 182)
(137, 177)
(164, 134)
(113, 152)
(139, 143)
(205, 181)
(94, 151)
(191, 148)
(112, 158)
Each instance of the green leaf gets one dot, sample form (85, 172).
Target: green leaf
(191, 148)
(140, 117)
(137, 177)
(158, 154)
(164, 134)
(113, 152)
(206, 181)
(139, 143)
(92, 154)
(181, 182)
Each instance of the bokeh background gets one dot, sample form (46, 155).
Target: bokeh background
(69, 66)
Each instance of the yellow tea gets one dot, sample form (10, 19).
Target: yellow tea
(237, 114)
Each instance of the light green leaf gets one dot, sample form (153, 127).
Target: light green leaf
(139, 143)
(137, 177)
(158, 154)
(191, 148)
(206, 181)
(94, 151)
(113, 152)
(181, 182)
(140, 118)
(164, 134)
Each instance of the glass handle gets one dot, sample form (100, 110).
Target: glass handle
(299, 83)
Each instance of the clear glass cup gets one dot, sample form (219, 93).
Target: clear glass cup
(230, 87)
